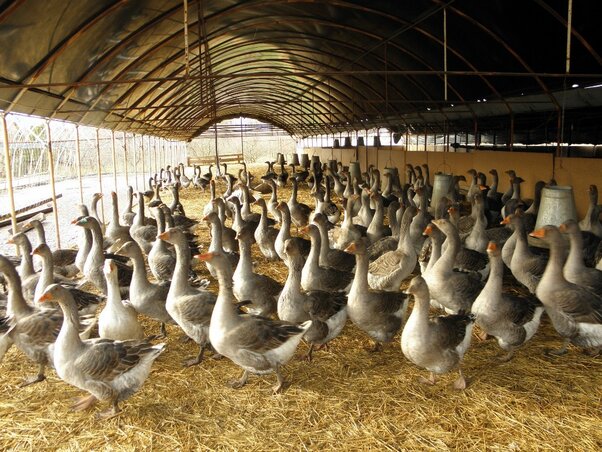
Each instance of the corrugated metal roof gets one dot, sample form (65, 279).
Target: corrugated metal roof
(307, 66)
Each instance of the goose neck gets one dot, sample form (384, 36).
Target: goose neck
(26, 259)
(15, 303)
(180, 275)
(360, 277)
(496, 274)
(139, 278)
(68, 339)
(46, 275)
(97, 242)
(575, 258)
(216, 238)
(449, 255)
(245, 263)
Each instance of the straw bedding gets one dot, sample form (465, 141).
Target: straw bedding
(347, 398)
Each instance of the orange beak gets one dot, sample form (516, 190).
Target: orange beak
(351, 248)
(562, 227)
(205, 218)
(506, 220)
(74, 221)
(10, 241)
(492, 246)
(428, 230)
(45, 297)
(204, 257)
(35, 252)
(304, 229)
(539, 233)
(163, 235)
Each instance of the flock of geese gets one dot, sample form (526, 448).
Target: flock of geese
(359, 252)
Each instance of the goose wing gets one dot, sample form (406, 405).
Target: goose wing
(105, 359)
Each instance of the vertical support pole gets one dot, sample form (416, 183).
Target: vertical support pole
(476, 135)
(425, 138)
(569, 28)
(219, 170)
(79, 164)
(99, 167)
(125, 159)
(134, 147)
(186, 52)
(242, 146)
(149, 151)
(9, 174)
(511, 140)
(52, 185)
(142, 159)
(445, 54)
(114, 156)
(156, 154)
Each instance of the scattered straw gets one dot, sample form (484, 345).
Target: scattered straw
(347, 398)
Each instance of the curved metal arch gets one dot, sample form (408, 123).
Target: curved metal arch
(507, 47)
(338, 57)
(274, 114)
(257, 117)
(175, 87)
(274, 94)
(574, 31)
(242, 6)
(287, 85)
(164, 15)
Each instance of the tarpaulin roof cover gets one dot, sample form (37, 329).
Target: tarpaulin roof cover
(310, 67)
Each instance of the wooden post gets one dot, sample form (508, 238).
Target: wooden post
(79, 164)
(99, 167)
(219, 170)
(142, 159)
(155, 153)
(52, 185)
(135, 160)
(114, 155)
(9, 175)
(125, 159)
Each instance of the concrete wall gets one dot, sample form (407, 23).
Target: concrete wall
(577, 172)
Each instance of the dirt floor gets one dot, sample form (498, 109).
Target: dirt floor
(347, 399)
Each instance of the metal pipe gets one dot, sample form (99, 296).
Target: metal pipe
(9, 175)
(114, 155)
(79, 164)
(99, 167)
(125, 159)
(52, 185)
(142, 159)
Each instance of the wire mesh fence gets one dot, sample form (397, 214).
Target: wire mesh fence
(80, 150)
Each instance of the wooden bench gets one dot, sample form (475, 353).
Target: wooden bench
(223, 158)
